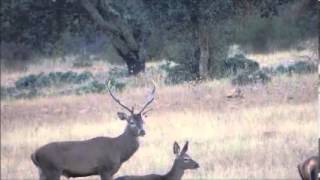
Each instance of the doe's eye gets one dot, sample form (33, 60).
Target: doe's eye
(186, 160)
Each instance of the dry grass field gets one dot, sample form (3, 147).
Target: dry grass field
(265, 134)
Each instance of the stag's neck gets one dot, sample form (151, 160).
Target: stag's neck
(128, 145)
(175, 173)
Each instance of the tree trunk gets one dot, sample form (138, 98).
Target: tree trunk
(204, 55)
(200, 36)
(135, 61)
(120, 34)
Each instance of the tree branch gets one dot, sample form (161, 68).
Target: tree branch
(116, 28)
(96, 16)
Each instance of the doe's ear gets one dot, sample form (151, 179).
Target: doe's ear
(185, 148)
(176, 148)
(122, 115)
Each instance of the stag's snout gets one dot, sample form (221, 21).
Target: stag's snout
(142, 132)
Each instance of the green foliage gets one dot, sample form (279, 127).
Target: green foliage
(117, 73)
(178, 74)
(279, 32)
(80, 64)
(302, 67)
(299, 67)
(52, 79)
(13, 92)
(116, 84)
(239, 63)
(246, 78)
(63, 83)
(92, 87)
(281, 69)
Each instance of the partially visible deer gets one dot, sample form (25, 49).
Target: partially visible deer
(309, 169)
(181, 163)
(101, 156)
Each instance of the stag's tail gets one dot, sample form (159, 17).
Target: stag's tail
(34, 159)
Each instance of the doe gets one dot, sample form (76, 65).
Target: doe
(181, 163)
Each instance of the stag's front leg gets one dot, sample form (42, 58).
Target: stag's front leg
(106, 176)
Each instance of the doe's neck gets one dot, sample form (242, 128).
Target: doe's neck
(175, 172)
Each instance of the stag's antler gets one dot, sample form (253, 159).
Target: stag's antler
(150, 100)
(117, 100)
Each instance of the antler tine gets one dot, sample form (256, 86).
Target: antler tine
(150, 101)
(145, 112)
(117, 100)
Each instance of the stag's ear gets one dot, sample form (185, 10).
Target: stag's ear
(122, 115)
(185, 148)
(176, 148)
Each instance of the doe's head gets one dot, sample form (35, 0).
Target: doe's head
(183, 160)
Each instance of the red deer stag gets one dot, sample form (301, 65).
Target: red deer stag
(101, 156)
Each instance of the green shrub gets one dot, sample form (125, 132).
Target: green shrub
(80, 64)
(117, 73)
(246, 78)
(82, 77)
(281, 69)
(98, 87)
(12, 92)
(116, 84)
(7, 92)
(239, 63)
(52, 79)
(26, 82)
(302, 67)
(178, 74)
(92, 87)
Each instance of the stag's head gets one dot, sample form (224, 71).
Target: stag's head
(183, 160)
(134, 119)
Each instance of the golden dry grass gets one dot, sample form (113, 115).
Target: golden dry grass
(264, 135)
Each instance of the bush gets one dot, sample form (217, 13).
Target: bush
(7, 92)
(117, 73)
(52, 79)
(178, 74)
(92, 87)
(300, 67)
(12, 92)
(239, 63)
(245, 78)
(281, 69)
(80, 64)
(116, 84)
